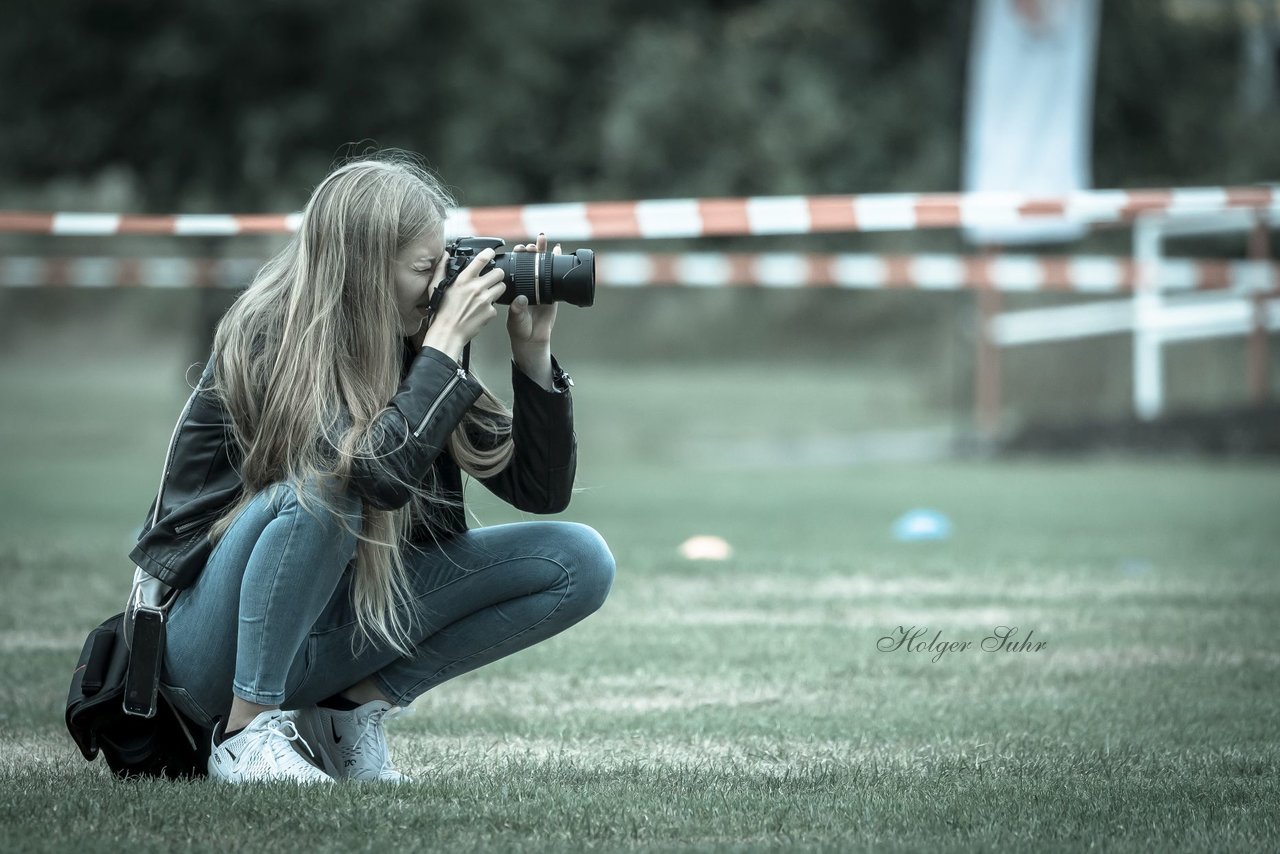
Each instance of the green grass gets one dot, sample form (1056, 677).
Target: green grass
(740, 705)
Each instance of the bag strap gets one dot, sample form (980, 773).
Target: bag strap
(147, 609)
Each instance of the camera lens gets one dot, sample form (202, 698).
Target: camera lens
(545, 277)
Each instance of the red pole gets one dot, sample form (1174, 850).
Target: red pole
(1259, 250)
(987, 379)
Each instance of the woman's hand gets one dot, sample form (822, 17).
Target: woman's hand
(467, 306)
(530, 327)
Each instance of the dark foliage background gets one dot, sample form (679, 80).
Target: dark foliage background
(239, 105)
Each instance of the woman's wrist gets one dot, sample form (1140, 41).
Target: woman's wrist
(445, 341)
(535, 361)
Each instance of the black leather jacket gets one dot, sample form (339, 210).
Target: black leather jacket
(201, 475)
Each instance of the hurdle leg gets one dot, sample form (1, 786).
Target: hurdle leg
(1259, 250)
(987, 379)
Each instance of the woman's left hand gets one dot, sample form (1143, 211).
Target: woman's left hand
(530, 325)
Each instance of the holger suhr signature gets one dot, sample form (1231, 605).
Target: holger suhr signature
(913, 639)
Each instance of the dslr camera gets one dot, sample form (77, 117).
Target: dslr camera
(543, 277)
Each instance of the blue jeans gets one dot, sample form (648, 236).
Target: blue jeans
(271, 617)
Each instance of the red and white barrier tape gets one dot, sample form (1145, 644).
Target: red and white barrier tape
(680, 218)
(1074, 273)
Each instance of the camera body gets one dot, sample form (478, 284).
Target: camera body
(543, 277)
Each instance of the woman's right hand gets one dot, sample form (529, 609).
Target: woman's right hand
(467, 306)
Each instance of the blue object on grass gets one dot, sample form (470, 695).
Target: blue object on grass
(1135, 567)
(921, 524)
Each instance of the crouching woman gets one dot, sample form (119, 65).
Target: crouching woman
(341, 581)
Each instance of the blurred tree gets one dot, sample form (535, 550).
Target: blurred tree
(778, 97)
(238, 105)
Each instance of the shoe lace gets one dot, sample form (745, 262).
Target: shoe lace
(376, 737)
(287, 730)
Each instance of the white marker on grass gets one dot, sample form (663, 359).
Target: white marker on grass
(706, 547)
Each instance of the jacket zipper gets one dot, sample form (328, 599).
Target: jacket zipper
(192, 523)
(453, 381)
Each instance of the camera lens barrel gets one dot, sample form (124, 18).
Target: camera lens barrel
(545, 277)
(521, 277)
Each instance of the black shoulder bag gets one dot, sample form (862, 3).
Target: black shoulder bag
(116, 704)
(164, 744)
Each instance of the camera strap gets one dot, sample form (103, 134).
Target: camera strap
(434, 304)
(148, 606)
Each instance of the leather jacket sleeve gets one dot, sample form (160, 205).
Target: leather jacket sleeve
(539, 477)
(415, 428)
(200, 480)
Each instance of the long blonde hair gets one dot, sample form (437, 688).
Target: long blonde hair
(309, 355)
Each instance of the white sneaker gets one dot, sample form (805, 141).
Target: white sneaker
(352, 745)
(263, 750)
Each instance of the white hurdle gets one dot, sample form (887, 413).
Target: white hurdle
(1157, 314)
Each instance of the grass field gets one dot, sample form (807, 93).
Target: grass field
(739, 705)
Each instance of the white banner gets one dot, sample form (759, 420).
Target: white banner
(1029, 107)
